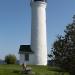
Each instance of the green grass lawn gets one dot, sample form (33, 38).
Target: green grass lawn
(39, 70)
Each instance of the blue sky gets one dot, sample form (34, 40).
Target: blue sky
(15, 23)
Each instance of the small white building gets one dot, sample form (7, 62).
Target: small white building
(26, 54)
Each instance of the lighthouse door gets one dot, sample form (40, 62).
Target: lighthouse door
(27, 57)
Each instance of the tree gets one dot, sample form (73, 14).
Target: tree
(10, 59)
(64, 49)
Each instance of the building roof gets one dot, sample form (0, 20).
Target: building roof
(25, 49)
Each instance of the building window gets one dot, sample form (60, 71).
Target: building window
(26, 57)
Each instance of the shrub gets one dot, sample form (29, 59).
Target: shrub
(10, 59)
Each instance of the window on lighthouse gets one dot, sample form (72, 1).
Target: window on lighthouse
(41, 0)
(26, 57)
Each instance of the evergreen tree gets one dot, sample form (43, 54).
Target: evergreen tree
(64, 49)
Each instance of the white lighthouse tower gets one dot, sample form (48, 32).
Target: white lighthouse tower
(38, 31)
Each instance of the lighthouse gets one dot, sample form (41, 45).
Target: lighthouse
(36, 52)
(38, 31)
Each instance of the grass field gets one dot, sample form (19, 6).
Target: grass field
(39, 70)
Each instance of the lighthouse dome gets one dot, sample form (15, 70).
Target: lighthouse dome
(41, 0)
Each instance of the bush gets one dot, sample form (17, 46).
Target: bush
(10, 59)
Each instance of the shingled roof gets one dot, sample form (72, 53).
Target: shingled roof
(25, 49)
